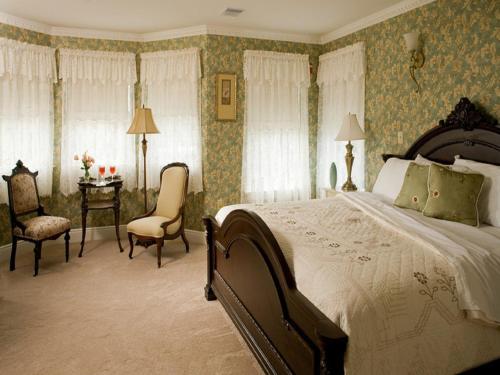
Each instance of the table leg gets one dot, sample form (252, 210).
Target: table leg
(117, 227)
(84, 220)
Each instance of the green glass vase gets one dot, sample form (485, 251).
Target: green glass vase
(333, 175)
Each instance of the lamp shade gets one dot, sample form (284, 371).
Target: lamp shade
(143, 122)
(350, 129)
(411, 40)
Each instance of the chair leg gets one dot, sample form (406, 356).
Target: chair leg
(131, 242)
(38, 250)
(184, 239)
(159, 244)
(13, 254)
(66, 244)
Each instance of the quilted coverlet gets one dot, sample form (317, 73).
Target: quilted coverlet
(394, 296)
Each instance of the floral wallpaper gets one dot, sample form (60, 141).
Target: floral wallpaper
(222, 141)
(460, 40)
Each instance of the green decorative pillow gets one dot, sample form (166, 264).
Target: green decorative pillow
(453, 195)
(414, 191)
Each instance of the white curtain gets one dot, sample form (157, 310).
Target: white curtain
(97, 111)
(276, 145)
(341, 81)
(27, 74)
(170, 86)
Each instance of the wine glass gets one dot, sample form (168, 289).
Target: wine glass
(102, 171)
(112, 171)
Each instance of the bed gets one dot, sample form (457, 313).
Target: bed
(352, 284)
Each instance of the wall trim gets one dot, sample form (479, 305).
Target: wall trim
(103, 234)
(263, 34)
(377, 17)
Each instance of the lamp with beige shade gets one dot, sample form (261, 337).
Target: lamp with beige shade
(143, 123)
(350, 131)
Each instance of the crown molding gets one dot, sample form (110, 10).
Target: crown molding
(380, 16)
(94, 34)
(25, 23)
(262, 34)
(154, 36)
(385, 14)
(174, 33)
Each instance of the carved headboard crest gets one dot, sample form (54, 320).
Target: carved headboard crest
(467, 131)
(467, 116)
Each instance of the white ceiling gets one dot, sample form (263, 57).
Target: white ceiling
(307, 17)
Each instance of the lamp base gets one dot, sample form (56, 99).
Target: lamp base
(349, 160)
(349, 186)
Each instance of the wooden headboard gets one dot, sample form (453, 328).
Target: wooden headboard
(466, 132)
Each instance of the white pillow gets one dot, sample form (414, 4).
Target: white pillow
(390, 178)
(489, 200)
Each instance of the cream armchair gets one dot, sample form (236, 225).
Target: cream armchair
(166, 220)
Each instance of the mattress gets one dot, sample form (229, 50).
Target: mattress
(400, 285)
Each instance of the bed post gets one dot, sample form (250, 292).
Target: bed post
(209, 235)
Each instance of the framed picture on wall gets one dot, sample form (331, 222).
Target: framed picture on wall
(226, 97)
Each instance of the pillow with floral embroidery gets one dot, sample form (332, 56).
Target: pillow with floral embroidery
(453, 195)
(414, 191)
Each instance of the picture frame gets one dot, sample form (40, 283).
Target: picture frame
(226, 96)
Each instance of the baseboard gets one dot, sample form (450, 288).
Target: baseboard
(106, 233)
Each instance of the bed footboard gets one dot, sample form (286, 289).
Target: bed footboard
(248, 274)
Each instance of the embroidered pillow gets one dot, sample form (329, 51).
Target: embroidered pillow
(414, 191)
(453, 195)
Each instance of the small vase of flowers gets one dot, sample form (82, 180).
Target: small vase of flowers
(87, 162)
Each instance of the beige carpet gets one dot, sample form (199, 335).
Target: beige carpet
(106, 314)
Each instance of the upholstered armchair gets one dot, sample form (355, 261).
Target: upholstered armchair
(166, 220)
(39, 226)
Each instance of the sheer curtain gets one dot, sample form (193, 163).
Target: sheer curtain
(276, 140)
(341, 81)
(27, 74)
(170, 86)
(97, 111)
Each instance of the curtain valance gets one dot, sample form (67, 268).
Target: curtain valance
(117, 67)
(344, 64)
(170, 65)
(267, 66)
(18, 59)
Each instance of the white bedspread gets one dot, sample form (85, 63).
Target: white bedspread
(396, 282)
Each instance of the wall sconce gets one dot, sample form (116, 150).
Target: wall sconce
(417, 56)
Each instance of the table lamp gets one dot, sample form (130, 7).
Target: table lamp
(143, 123)
(349, 131)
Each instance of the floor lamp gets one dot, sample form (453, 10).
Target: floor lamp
(143, 123)
(349, 131)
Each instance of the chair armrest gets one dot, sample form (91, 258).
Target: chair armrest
(19, 224)
(147, 214)
(165, 224)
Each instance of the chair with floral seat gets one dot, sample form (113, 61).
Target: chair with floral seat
(38, 225)
(166, 220)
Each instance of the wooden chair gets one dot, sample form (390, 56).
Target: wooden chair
(24, 200)
(166, 220)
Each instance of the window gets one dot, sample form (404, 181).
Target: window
(276, 136)
(341, 81)
(27, 73)
(170, 86)
(97, 111)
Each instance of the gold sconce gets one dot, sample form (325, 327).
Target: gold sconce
(417, 56)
